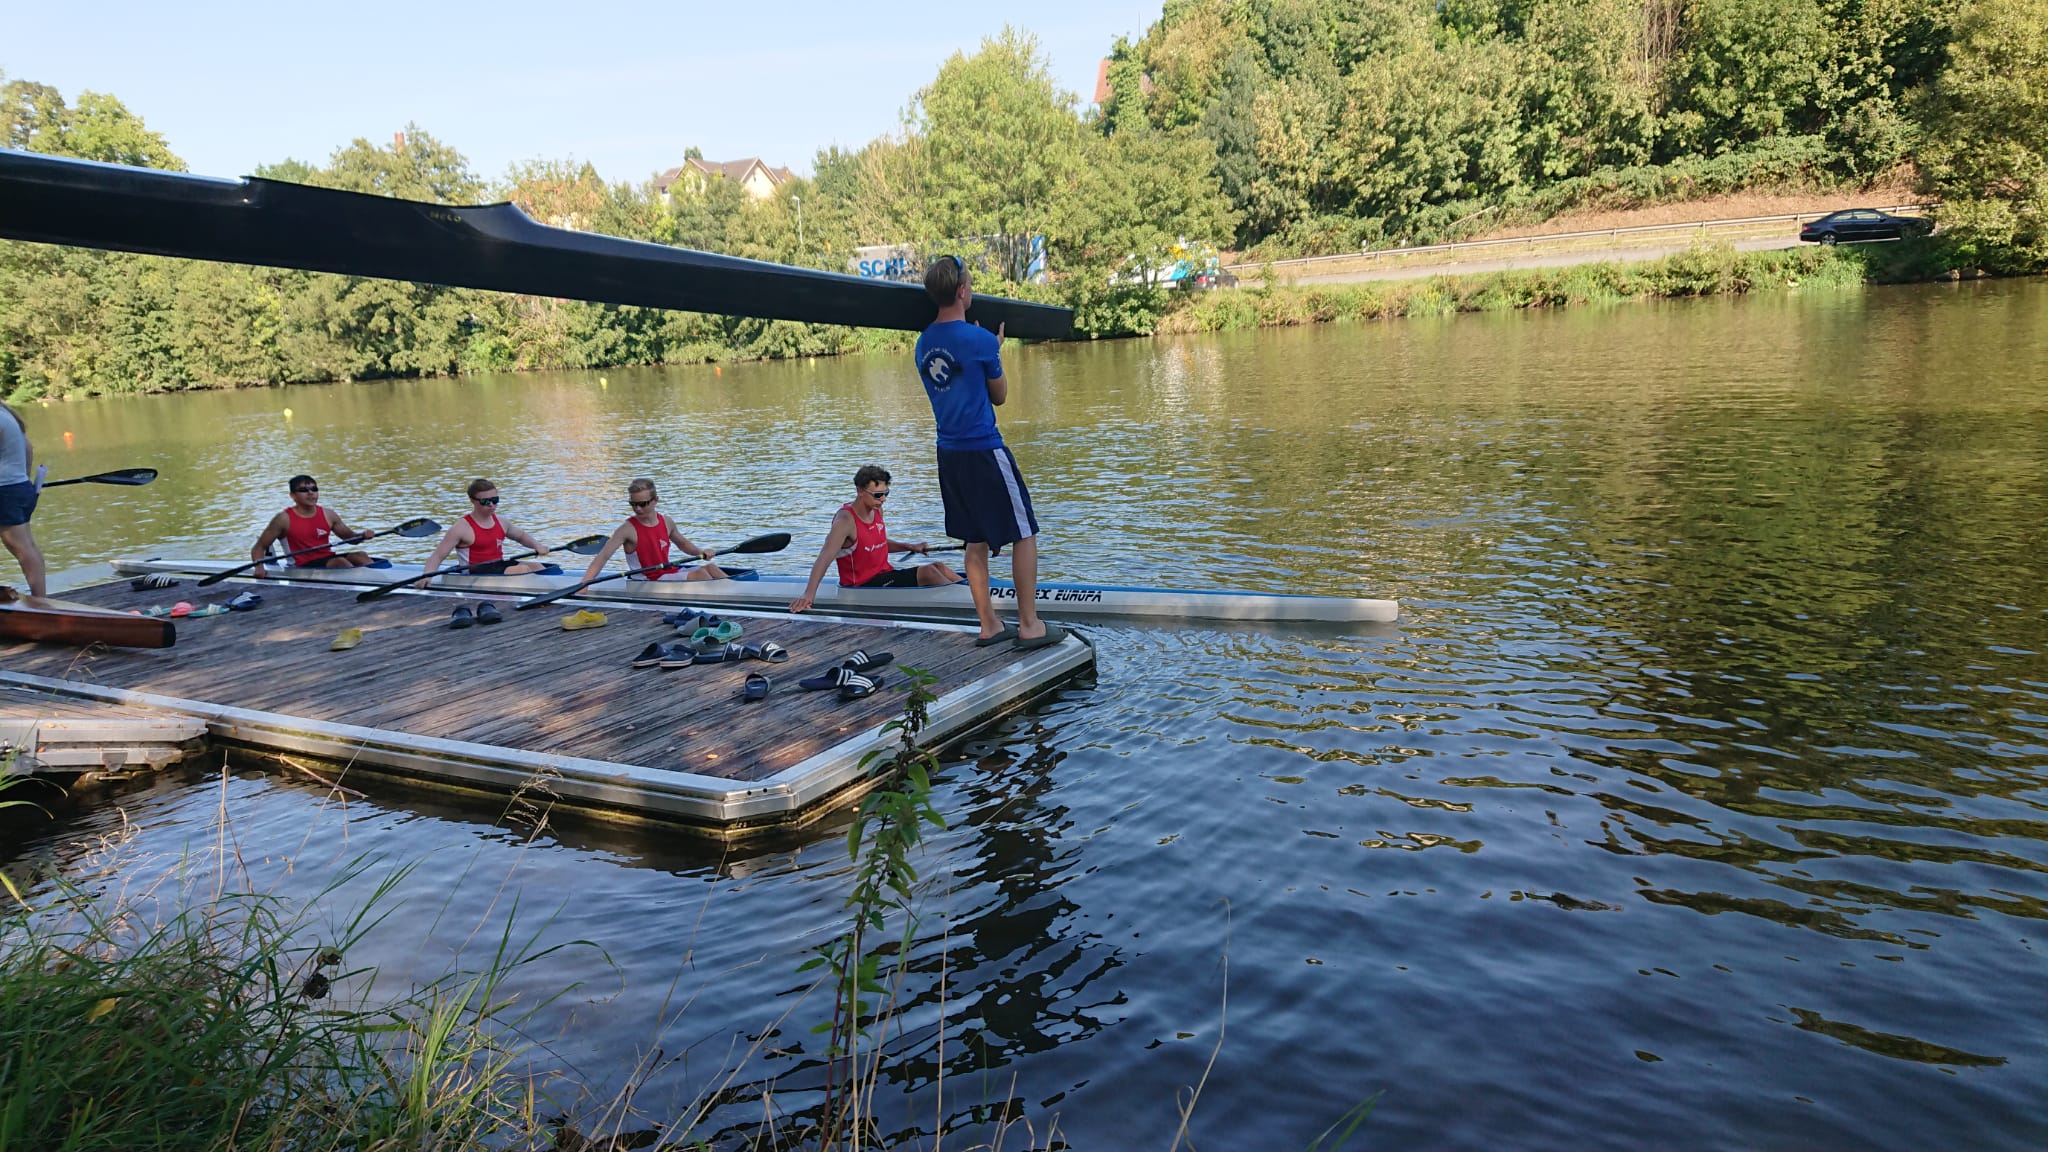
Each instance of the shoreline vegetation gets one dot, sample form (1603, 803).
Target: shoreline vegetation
(1271, 128)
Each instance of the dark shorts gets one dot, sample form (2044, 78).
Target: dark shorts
(17, 503)
(893, 578)
(986, 501)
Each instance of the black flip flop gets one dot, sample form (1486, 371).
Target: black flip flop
(757, 687)
(858, 686)
(828, 679)
(1053, 635)
(461, 617)
(1009, 632)
(487, 613)
(860, 661)
(651, 656)
(772, 652)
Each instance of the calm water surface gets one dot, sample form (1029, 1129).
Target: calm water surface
(1699, 800)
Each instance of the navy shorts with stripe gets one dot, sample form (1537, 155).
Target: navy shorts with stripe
(986, 501)
(17, 503)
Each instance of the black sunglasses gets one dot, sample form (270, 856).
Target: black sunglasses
(308, 488)
(491, 500)
(882, 495)
(640, 503)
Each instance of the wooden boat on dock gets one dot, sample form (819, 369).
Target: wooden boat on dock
(759, 590)
(41, 619)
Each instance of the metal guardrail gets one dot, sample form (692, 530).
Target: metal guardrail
(1701, 226)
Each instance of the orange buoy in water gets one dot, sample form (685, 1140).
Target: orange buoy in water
(717, 370)
(67, 439)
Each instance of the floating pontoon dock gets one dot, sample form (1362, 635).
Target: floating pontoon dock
(526, 706)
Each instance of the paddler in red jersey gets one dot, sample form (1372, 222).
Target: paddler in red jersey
(647, 535)
(305, 524)
(859, 541)
(479, 537)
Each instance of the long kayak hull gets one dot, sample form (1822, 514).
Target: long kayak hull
(764, 591)
(56, 622)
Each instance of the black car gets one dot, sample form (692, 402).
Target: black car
(1853, 224)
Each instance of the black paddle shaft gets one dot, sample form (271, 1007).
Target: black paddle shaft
(772, 542)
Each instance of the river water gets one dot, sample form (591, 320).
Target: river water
(1699, 800)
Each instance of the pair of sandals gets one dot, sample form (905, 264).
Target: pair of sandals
(185, 609)
(685, 655)
(856, 677)
(486, 613)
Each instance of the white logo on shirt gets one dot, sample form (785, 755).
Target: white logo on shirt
(939, 368)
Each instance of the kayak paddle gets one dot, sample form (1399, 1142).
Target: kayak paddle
(582, 546)
(130, 477)
(773, 542)
(411, 529)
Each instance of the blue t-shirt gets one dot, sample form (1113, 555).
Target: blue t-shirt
(956, 360)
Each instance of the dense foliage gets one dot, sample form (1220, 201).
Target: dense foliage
(1285, 125)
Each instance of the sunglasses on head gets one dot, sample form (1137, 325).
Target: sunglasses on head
(640, 503)
(491, 500)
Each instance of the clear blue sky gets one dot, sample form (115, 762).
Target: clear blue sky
(626, 86)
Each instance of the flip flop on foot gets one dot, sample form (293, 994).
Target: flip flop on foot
(462, 617)
(757, 687)
(859, 685)
(349, 638)
(579, 620)
(1009, 632)
(487, 613)
(1053, 635)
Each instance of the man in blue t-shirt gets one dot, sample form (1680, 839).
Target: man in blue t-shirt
(987, 505)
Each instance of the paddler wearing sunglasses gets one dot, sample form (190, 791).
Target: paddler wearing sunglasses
(647, 535)
(479, 537)
(304, 524)
(859, 541)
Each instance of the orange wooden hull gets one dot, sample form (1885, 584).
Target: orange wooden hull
(50, 622)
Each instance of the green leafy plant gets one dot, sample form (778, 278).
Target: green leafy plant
(888, 826)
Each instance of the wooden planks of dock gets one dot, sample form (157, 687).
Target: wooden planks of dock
(499, 706)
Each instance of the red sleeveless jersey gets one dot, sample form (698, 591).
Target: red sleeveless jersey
(869, 556)
(650, 546)
(490, 542)
(307, 532)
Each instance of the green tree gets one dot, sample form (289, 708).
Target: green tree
(1002, 144)
(35, 118)
(1987, 135)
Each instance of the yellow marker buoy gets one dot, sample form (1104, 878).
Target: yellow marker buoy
(603, 383)
(287, 413)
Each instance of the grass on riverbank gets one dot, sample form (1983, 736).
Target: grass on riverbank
(1704, 271)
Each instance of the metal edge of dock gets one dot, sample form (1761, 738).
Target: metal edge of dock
(715, 804)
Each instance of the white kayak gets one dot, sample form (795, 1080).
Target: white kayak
(760, 590)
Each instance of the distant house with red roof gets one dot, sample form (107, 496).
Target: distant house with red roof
(752, 174)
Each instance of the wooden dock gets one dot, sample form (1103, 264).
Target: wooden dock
(524, 705)
(60, 735)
